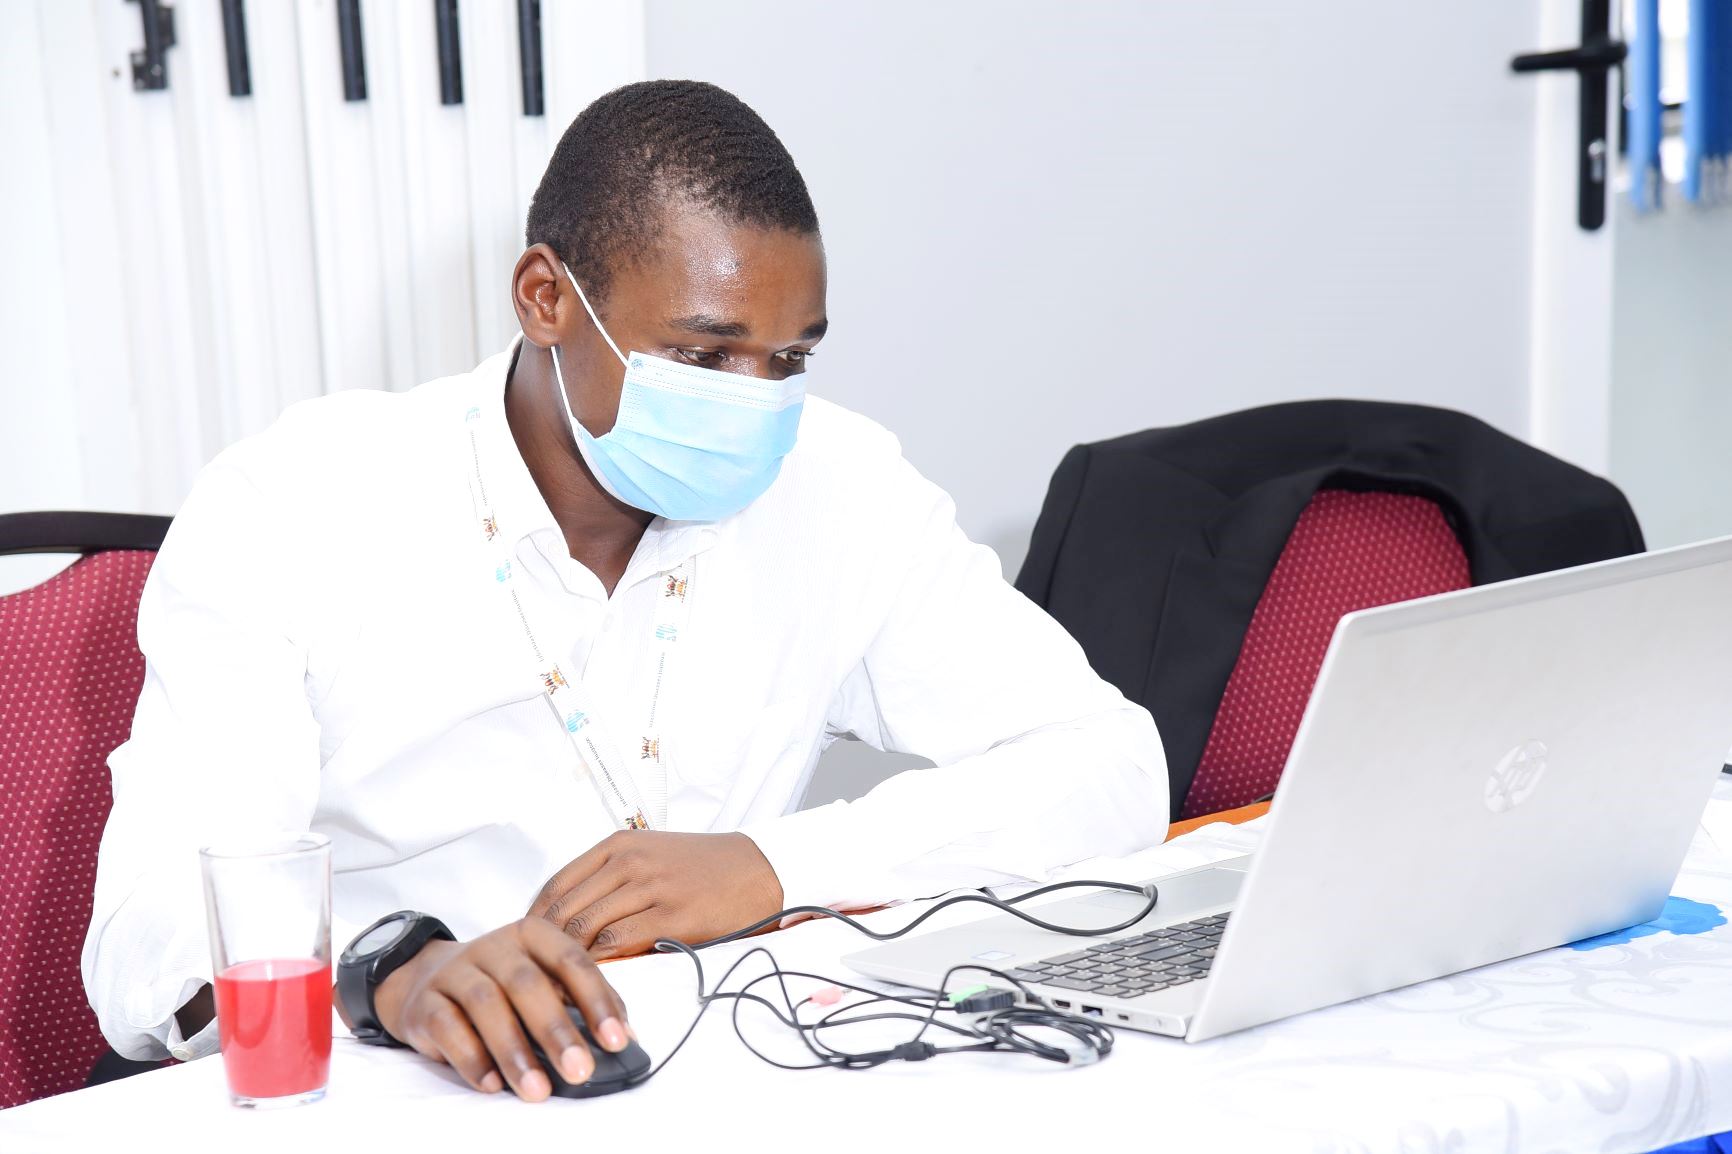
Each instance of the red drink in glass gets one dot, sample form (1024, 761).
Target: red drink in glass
(274, 1019)
(268, 906)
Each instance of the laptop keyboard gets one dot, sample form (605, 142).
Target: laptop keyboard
(1129, 967)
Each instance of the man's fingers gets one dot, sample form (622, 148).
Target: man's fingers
(573, 875)
(539, 1001)
(626, 936)
(589, 992)
(444, 1033)
(491, 1014)
(604, 899)
(572, 910)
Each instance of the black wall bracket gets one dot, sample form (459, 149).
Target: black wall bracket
(235, 48)
(350, 48)
(450, 51)
(150, 63)
(529, 57)
(1592, 61)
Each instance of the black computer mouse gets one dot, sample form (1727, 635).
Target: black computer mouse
(613, 1072)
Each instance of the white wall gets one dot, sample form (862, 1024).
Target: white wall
(1671, 427)
(1050, 223)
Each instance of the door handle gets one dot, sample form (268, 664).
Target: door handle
(1601, 54)
(1591, 60)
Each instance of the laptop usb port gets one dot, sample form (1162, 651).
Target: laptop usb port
(1061, 1005)
(1092, 1011)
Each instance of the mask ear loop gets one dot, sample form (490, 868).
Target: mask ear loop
(581, 435)
(578, 432)
(565, 399)
(595, 319)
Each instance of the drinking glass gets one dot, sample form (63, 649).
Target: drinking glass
(268, 903)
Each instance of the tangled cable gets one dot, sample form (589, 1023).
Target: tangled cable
(990, 1019)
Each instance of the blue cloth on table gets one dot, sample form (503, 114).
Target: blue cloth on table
(1678, 917)
(1710, 1144)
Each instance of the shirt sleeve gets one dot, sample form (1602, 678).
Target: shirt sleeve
(223, 742)
(1040, 763)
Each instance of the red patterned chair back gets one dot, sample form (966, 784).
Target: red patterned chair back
(70, 674)
(1349, 551)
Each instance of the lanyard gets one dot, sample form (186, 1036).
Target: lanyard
(633, 789)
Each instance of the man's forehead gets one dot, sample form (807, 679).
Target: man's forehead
(707, 276)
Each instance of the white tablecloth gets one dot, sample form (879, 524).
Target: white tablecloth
(1623, 1048)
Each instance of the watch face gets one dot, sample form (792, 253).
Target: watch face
(379, 937)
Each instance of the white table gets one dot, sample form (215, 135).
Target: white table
(1624, 1048)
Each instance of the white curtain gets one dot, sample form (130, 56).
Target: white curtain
(181, 265)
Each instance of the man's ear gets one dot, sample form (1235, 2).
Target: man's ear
(541, 296)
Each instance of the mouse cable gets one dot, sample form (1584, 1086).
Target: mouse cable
(708, 997)
(991, 1020)
(1007, 1035)
(1151, 893)
(809, 1032)
(992, 1015)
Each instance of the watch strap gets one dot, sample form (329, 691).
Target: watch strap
(358, 983)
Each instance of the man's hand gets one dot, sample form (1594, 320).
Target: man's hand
(640, 885)
(460, 1003)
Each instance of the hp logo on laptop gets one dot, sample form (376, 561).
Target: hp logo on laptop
(1516, 777)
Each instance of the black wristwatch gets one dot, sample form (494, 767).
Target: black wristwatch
(375, 954)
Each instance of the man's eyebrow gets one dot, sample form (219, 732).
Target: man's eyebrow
(717, 327)
(710, 326)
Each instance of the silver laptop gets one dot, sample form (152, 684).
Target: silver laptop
(1478, 775)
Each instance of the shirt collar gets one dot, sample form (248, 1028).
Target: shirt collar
(517, 503)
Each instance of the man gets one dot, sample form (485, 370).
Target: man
(503, 635)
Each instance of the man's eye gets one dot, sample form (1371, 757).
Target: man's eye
(795, 356)
(702, 356)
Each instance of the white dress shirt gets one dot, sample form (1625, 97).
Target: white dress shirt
(327, 649)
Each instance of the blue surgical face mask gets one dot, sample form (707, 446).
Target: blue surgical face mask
(689, 443)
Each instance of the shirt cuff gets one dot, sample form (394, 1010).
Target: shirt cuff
(814, 861)
(200, 1045)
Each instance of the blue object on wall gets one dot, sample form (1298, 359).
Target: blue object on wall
(1642, 75)
(1708, 104)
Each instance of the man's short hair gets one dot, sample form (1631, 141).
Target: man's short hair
(639, 147)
